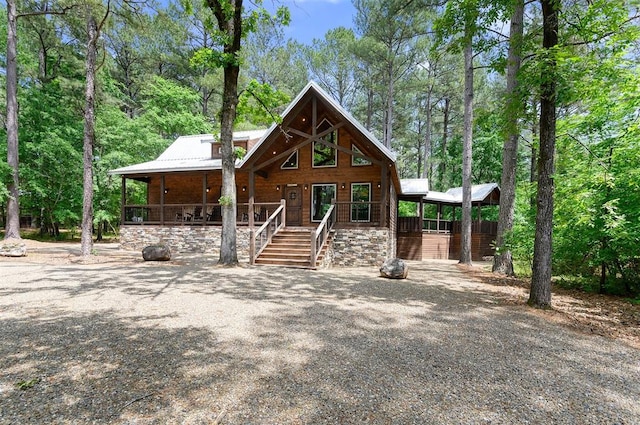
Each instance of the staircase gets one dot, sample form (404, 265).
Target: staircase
(291, 247)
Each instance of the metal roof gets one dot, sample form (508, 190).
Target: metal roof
(187, 153)
(414, 186)
(479, 192)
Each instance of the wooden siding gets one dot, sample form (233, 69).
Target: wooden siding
(480, 246)
(442, 246)
(435, 246)
(410, 246)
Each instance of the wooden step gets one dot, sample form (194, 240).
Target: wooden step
(290, 247)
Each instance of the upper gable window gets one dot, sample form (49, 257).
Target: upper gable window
(323, 155)
(291, 163)
(357, 161)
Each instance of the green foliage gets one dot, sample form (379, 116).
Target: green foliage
(172, 110)
(259, 104)
(219, 55)
(407, 209)
(239, 151)
(27, 384)
(225, 201)
(5, 179)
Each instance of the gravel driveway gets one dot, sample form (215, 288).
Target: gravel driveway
(186, 342)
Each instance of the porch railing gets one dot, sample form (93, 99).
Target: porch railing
(436, 226)
(320, 235)
(262, 237)
(358, 213)
(193, 214)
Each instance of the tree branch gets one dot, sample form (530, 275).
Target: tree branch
(63, 11)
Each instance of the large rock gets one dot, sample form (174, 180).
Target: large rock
(156, 253)
(394, 269)
(13, 249)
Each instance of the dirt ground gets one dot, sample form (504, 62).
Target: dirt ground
(114, 339)
(605, 315)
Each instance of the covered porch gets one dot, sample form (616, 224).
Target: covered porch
(435, 233)
(193, 200)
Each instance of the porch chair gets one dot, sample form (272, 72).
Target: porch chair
(215, 214)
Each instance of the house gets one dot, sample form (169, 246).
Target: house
(317, 189)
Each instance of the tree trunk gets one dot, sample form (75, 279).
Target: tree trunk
(445, 140)
(465, 237)
(426, 172)
(229, 17)
(228, 251)
(86, 242)
(370, 95)
(388, 115)
(502, 261)
(540, 295)
(12, 226)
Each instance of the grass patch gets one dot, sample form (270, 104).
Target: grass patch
(66, 235)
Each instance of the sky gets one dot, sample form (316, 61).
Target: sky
(313, 18)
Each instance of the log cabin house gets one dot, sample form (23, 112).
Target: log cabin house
(316, 190)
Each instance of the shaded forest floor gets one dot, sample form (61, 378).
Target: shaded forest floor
(606, 315)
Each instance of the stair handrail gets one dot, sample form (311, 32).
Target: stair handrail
(320, 235)
(262, 237)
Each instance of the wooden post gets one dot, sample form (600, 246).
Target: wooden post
(123, 200)
(384, 193)
(252, 240)
(162, 200)
(284, 211)
(203, 213)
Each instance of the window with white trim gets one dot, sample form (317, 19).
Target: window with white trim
(358, 161)
(360, 202)
(291, 163)
(321, 197)
(325, 155)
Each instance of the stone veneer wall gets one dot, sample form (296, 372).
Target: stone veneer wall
(189, 239)
(350, 247)
(360, 247)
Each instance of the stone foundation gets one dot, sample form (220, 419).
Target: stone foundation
(350, 247)
(360, 247)
(184, 239)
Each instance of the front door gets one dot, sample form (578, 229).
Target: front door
(293, 197)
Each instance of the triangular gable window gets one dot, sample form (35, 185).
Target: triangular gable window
(357, 160)
(291, 163)
(323, 155)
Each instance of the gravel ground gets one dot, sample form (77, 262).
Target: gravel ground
(117, 340)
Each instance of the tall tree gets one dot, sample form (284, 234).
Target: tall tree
(392, 47)
(465, 234)
(332, 64)
(232, 26)
(93, 34)
(12, 227)
(540, 295)
(502, 260)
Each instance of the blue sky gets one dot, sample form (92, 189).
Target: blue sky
(313, 18)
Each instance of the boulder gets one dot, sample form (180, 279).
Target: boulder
(13, 249)
(156, 253)
(394, 269)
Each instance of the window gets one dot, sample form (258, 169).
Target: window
(291, 162)
(323, 155)
(321, 197)
(356, 160)
(360, 202)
